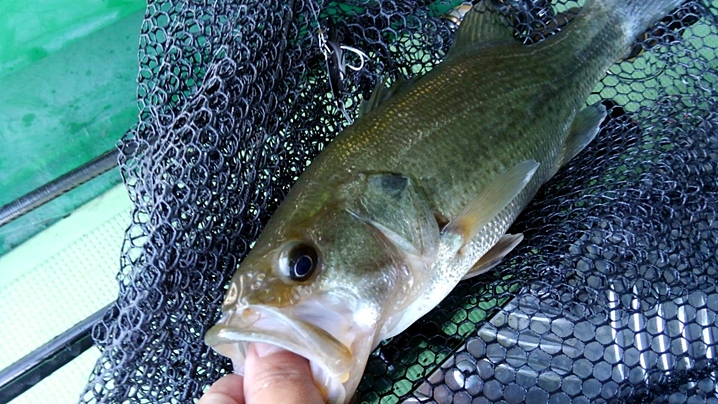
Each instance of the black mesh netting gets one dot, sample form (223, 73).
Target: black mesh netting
(611, 297)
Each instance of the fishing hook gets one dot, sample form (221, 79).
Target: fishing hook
(337, 63)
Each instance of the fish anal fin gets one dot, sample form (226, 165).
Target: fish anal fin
(482, 24)
(495, 255)
(584, 129)
(491, 200)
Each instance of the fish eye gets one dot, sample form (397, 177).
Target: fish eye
(299, 261)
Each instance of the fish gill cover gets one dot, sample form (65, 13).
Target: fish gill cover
(610, 297)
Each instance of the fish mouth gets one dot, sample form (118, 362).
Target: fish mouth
(331, 360)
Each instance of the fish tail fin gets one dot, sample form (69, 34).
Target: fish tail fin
(636, 15)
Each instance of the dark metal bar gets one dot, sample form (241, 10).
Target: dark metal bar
(58, 186)
(42, 362)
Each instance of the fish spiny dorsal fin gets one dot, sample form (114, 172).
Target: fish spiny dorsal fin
(483, 24)
(383, 92)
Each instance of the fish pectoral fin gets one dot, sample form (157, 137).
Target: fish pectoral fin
(481, 25)
(495, 255)
(396, 208)
(383, 92)
(585, 127)
(491, 200)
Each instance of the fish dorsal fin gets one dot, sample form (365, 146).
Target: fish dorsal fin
(584, 128)
(491, 200)
(483, 24)
(383, 92)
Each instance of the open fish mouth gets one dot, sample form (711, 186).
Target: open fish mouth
(331, 360)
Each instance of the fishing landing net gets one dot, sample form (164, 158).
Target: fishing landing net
(611, 297)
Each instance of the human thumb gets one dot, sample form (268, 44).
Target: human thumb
(273, 375)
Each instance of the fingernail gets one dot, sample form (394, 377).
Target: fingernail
(264, 350)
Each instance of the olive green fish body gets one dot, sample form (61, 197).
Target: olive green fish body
(420, 191)
(474, 116)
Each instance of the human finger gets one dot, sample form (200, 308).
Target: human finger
(227, 390)
(273, 375)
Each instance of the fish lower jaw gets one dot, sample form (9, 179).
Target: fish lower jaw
(335, 368)
(331, 388)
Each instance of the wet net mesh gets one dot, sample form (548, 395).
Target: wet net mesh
(611, 297)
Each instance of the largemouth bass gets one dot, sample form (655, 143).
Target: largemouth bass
(419, 192)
